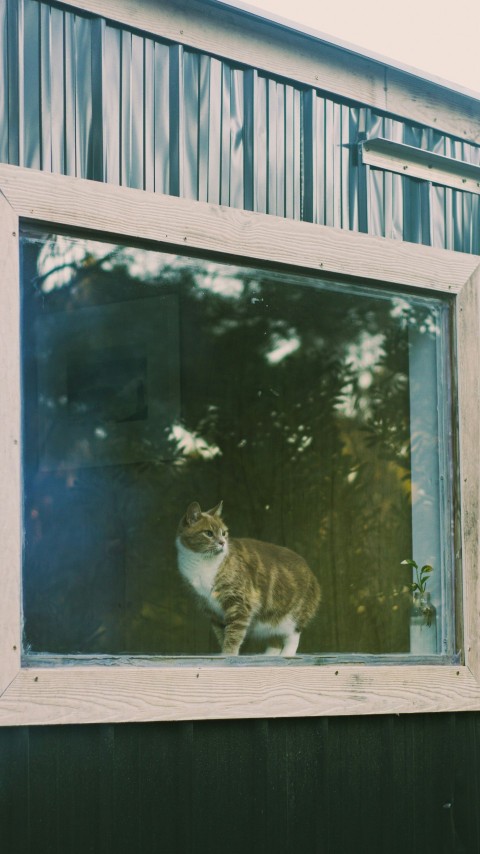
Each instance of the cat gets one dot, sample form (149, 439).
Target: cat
(248, 587)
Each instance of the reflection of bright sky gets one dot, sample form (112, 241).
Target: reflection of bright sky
(143, 264)
(61, 256)
(400, 308)
(365, 353)
(219, 283)
(404, 312)
(362, 357)
(283, 347)
(191, 444)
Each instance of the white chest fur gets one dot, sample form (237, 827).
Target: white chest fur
(200, 572)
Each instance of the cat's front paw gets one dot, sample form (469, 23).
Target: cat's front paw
(228, 651)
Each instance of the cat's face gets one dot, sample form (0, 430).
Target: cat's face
(204, 533)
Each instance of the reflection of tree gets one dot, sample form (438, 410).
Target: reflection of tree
(294, 410)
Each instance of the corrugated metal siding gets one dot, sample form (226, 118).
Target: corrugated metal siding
(83, 97)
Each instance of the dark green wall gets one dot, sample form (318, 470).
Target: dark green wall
(386, 784)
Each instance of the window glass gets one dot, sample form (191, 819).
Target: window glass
(317, 410)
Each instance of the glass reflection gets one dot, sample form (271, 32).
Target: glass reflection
(315, 410)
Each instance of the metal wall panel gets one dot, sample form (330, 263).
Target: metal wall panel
(84, 97)
(345, 785)
(9, 82)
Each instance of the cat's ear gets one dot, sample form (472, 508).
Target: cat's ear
(193, 513)
(216, 511)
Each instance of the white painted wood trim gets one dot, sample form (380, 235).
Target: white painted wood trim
(198, 225)
(295, 56)
(87, 694)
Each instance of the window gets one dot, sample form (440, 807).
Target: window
(304, 376)
(317, 409)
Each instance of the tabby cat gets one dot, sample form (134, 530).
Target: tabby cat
(248, 587)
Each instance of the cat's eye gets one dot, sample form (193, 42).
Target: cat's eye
(209, 533)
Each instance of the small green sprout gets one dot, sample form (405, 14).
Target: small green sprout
(421, 576)
(420, 586)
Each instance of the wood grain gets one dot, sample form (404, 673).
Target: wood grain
(89, 695)
(10, 492)
(305, 59)
(432, 105)
(468, 333)
(197, 225)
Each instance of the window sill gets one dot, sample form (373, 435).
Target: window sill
(41, 660)
(110, 694)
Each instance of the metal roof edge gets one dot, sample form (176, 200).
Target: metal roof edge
(348, 47)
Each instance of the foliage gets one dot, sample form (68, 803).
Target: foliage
(419, 589)
(421, 576)
(292, 405)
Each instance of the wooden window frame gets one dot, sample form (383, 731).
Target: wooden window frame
(98, 693)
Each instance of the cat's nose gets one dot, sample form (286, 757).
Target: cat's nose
(221, 543)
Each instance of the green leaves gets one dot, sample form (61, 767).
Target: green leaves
(421, 575)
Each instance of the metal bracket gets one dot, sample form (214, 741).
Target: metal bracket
(418, 163)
